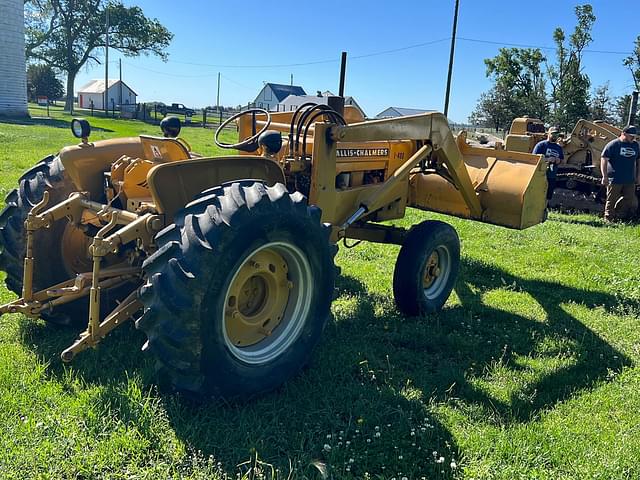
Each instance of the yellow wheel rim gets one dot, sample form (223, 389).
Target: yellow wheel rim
(267, 302)
(257, 298)
(437, 270)
(431, 270)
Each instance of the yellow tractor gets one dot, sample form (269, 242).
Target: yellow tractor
(579, 176)
(227, 263)
(524, 133)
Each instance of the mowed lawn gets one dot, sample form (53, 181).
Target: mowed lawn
(530, 371)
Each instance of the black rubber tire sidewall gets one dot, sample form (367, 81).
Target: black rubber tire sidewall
(187, 279)
(408, 274)
(231, 374)
(47, 175)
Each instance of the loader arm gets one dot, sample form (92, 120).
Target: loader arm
(491, 185)
(432, 128)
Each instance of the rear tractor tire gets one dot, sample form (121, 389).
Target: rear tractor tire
(60, 251)
(426, 269)
(239, 291)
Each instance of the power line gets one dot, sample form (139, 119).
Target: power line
(520, 45)
(315, 62)
(252, 66)
(409, 47)
(354, 57)
(236, 83)
(170, 74)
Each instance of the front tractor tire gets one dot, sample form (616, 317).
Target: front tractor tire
(239, 291)
(58, 250)
(426, 269)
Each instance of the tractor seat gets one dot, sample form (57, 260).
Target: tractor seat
(162, 150)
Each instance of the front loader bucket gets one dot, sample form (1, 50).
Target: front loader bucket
(511, 187)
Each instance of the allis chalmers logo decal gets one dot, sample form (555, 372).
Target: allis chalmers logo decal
(362, 152)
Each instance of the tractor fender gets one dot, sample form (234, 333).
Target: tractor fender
(173, 185)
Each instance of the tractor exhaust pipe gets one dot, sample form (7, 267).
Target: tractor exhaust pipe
(337, 103)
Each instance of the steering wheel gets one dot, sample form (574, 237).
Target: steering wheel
(248, 144)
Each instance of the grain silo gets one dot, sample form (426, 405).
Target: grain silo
(13, 76)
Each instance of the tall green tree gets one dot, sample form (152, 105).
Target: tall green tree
(621, 110)
(67, 34)
(601, 104)
(518, 88)
(517, 73)
(495, 109)
(42, 80)
(569, 84)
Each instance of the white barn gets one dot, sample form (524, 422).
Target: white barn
(119, 94)
(13, 69)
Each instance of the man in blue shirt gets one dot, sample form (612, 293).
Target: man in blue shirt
(620, 168)
(553, 155)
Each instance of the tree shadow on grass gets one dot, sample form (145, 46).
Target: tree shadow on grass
(46, 122)
(333, 414)
(375, 366)
(376, 372)
(461, 351)
(576, 357)
(382, 368)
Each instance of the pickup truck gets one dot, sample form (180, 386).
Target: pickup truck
(177, 108)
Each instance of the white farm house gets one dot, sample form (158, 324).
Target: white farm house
(13, 70)
(93, 92)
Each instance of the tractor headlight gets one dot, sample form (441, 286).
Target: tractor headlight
(80, 128)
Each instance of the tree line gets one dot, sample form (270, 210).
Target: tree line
(556, 90)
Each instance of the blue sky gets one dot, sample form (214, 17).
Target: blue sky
(251, 42)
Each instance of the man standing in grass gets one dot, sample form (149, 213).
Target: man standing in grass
(620, 167)
(553, 155)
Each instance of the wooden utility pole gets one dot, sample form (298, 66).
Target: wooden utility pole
(218, 101)
(106, 68)
(120, 99)
(453, 47)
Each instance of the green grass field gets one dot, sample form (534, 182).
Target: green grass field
(529, 372)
